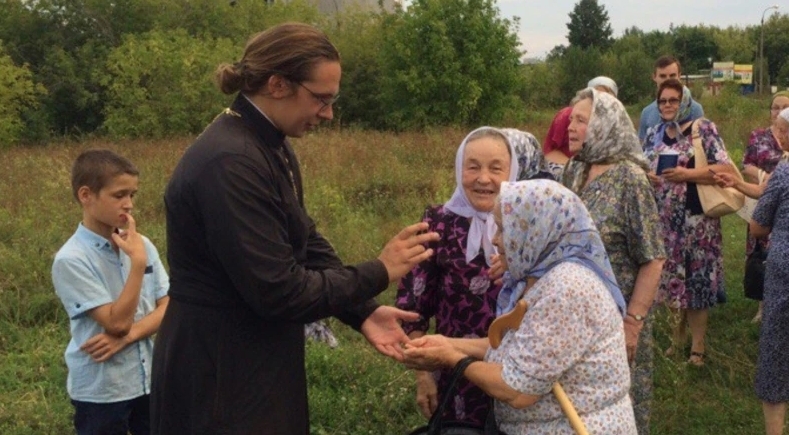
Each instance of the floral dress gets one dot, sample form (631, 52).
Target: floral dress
(772, 370)
(693, 273)
(764, 152)
(622, 204)
(459, 295)
(571, 333)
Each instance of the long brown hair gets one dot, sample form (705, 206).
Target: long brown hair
(290, 50)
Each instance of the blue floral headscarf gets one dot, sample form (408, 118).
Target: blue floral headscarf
(682, 116)
(545, 224)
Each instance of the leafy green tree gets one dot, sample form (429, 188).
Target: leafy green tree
(160, 83)
(62, 41)
(449, 62)
(656, 44)
(358, 36)
(220, 19)
(736, 44)
(576, 68)
(776, 45)
(589, 26)
(18, 94)
(632, 70)
(540, 89)
(695, 47)
(556, 52)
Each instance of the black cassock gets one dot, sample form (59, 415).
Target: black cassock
(247, 271)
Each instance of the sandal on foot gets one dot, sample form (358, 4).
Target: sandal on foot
(696, 358)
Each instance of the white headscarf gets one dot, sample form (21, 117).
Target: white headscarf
(784, 114)
(483, 228)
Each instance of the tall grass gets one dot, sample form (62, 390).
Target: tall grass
(361, 187)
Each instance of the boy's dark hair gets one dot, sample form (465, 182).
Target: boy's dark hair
(664, 61)
(95, 168)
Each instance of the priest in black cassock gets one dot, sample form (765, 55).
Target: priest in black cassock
(247, 266)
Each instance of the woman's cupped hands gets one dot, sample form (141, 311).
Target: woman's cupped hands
(431, 352)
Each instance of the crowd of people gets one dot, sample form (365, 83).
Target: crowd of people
(591, 229)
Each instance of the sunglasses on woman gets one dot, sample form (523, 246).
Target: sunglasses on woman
(669, 101)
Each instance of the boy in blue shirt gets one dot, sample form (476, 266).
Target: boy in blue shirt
(114, 288)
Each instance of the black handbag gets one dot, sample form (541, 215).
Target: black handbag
(438, 427)
(753, 280)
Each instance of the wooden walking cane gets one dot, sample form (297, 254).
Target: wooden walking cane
(512, 320)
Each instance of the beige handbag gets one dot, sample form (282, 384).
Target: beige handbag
(715, 200)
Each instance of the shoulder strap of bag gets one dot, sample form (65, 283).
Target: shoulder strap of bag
(698, 149)
(434, 426)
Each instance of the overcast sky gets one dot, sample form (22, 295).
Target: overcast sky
(543, 23)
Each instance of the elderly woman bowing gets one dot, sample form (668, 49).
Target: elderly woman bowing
(608, 172)
(572, 332)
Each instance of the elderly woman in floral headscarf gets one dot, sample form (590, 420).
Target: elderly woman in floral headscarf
(692, 277)
(455, 287)
(571, 333)
(608, 172)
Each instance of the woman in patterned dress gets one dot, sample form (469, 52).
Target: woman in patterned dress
(608, 173)
(762, 154)
(693, 273)
(571, 333)
(772, 373)
(454, 287)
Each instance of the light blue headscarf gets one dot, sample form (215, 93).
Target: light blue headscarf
(545, 224)
(682, 116)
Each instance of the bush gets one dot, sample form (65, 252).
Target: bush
(160, 83)
(358, 36)
(449, 62)
(18, 94)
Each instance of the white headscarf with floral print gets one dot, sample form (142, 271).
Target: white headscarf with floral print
(544, 224)
(610, 138)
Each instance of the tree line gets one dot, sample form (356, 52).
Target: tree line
(143, 68)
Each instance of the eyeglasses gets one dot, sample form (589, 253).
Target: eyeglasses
(326, 102)
(669, 101)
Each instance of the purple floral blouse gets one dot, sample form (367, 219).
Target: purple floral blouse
(459, 296)
(764, 152)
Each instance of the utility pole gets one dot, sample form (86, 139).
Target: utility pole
(761, 50)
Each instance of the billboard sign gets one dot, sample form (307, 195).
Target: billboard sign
(743, 74)
(722, 71)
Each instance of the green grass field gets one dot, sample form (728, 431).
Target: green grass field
(361, 187)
